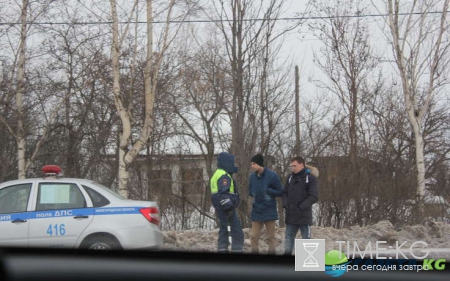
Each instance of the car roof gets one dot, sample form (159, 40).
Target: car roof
(12, 182)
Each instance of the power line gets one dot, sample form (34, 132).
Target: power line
(223, 20)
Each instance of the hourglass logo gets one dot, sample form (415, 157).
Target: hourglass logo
(309, 254)
(310, 260)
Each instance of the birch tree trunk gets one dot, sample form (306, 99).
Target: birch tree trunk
(123, 113)
(421, 55)
(126, 153)
(20, 136)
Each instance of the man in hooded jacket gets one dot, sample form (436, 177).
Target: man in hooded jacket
(225, 200)
(299, 194)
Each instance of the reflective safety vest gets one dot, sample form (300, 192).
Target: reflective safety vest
(215, 178)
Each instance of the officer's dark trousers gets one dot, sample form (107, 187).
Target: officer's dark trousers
(237, 235)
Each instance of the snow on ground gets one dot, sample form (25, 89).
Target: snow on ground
(436, 235)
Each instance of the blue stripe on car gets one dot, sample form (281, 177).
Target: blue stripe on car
(70, 213)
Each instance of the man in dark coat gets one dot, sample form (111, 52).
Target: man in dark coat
(225, 200)
(264, 186)
(299, 194)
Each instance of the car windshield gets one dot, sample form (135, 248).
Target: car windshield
(233, 126)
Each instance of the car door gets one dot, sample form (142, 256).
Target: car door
(14, 218)
(62, 213)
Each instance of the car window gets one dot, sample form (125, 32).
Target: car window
(14, 199)
(97, 199)
(53, 196)
(108, 190)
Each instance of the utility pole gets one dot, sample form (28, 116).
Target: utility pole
(297, 112)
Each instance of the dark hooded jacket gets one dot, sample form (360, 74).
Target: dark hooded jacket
(225, 162)
(299, 194)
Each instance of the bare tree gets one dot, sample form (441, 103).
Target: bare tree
(30, 11)
(249, 46)
(203, 89)
(74, 66)
(348, 62)
(388, 142)
(420, 44)
(8, 151)
(153, 61)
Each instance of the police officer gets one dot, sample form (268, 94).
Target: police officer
(225, 199)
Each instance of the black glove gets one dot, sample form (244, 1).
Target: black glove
(225, 202)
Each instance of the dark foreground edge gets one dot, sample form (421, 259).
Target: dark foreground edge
(26, 264)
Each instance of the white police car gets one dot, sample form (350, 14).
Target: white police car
(74, 213)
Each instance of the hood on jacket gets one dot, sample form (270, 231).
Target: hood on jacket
(308, 170)
(312, 170)
(226, 162)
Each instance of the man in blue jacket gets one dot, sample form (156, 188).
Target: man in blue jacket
(299, 194)
(264, 187)
(225, 200)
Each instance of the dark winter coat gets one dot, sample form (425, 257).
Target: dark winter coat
(299, 194)
(264, 188)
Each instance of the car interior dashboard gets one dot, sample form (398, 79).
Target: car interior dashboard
(26, 264)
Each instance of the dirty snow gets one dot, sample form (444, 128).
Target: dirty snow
(436, 235)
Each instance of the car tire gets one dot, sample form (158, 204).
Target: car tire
(100, 243)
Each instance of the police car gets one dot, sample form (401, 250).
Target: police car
(74, 213)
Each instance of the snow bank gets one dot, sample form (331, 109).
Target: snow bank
(436, 235)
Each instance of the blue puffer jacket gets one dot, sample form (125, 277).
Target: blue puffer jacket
(264, 189)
